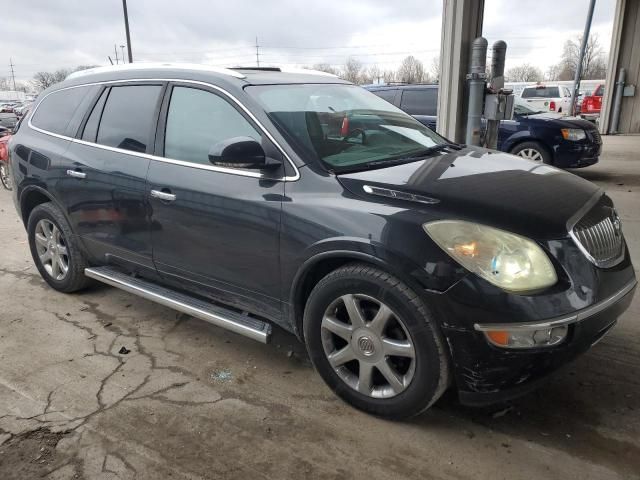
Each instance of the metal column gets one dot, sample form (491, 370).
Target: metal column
(461, 25)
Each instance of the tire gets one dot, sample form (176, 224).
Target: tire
(48, 219)
(533, 151)
(420, 370)
(5, 178)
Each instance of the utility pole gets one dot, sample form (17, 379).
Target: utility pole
(257, 52)
(122, 50)
(583, 48)
(13, 75)
(115, 49)
(126, 29)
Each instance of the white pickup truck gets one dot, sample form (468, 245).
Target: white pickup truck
(548, 98)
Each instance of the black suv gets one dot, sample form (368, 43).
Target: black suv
(251, 197)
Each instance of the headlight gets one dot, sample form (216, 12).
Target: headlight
(505, 337)
(573, 134)
(507, 260)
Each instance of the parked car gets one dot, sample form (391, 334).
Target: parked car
(406, 263)
(543, 137)
(592, 104)
(8, 120)
(5, 136)
(548, 98)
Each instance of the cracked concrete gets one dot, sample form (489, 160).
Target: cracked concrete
(162, 411)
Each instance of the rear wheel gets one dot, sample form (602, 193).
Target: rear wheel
(374, 343)
(533, 151)
(55, 251)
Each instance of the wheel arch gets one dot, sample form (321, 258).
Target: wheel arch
(33, 196)
(319, 265)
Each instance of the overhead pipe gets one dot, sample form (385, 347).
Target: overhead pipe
(477, 82)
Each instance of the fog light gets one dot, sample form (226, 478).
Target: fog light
(527, 338)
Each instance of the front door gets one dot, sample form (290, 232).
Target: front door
(214, 230)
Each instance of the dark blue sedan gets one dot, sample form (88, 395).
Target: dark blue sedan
(539, 136)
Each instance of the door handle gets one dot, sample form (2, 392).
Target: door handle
(166, 196)
(76, 174)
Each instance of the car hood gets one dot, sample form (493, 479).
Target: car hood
(558, 120)
(485, 186)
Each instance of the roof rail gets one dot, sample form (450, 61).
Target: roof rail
(155, 66)
(303, 71)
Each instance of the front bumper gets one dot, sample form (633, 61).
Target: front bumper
(487, 374)
(569, 154)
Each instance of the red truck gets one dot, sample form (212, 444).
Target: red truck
(5, 135)
(591, 104)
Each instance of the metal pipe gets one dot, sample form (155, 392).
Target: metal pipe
(499, 53)
(477, 81)
(617, 102)
(126, 30)
(583, 48)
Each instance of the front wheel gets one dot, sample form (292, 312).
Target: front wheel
(374, 343)
(5, 178)
(533, 151)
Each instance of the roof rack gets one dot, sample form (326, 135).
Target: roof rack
(155, 66)
(303, 71)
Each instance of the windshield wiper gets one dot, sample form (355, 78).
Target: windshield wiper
(427, 152)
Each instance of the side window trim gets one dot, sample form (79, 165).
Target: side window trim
(83, 124)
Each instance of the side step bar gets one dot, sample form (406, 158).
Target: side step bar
(219, 316)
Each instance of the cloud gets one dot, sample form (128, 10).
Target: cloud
(44, 35)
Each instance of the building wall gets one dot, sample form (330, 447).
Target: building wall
(624, 53)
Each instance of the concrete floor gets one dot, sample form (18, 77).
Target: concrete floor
(192, 401)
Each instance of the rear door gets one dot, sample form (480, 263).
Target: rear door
(215, 230)
(105, 188)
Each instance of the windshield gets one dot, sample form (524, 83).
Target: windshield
(344, 126)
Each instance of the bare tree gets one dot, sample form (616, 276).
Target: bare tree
(524, 73)
(389, 76)
(352, 70)
(373, 74)
(411, 70)
(553, 73)
(43, 80)
(435, 69)
(325, 67)
(593, 64)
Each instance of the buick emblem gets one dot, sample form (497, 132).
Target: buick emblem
(365, 344)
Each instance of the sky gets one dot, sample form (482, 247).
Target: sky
(46, 35)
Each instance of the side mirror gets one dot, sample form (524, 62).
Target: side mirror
(240, 152)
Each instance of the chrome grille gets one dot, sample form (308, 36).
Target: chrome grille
(600, 239)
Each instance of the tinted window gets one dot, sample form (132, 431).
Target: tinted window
(55, 111)
(128, 117)
(91, 128)
(197, 120)
(387, 95)
(420, 102)
(541, 92)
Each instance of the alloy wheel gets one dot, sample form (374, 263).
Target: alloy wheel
(368, 346)
(52, 249)
(531, 154)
